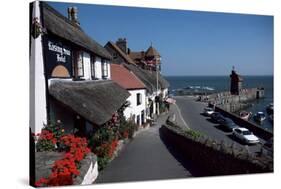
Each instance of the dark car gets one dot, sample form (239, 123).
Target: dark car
(228, 124)
(217, 117)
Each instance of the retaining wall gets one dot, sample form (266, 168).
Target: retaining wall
(211, 157)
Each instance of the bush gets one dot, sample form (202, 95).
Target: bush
(46, 141)
(102, 162)
(193, 133)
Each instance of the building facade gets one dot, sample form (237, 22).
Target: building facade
(136, 110)
(70, 74)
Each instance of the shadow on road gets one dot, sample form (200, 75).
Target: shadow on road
(187, 164)
(210, 120)
(222, 128)
(232, 137)
(202, 114)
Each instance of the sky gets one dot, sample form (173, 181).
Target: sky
(190, 42)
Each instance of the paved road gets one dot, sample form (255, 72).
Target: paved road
(191, 110)
(145, 158)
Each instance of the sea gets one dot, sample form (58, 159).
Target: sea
(222, 83)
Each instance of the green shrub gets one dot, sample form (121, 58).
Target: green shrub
(45, 146)
(193, 133)
(102, 162)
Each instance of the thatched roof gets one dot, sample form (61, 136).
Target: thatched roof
(149, 78)
(59, 25)
(96, 101)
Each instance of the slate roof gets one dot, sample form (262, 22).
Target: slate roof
(96, 101)
(59, 25)
(125, 78)
(120, 52)
(137, 55)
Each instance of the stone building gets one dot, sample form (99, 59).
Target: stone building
(235, 83)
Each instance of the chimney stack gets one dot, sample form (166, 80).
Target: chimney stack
(73, 15)
(122, 44)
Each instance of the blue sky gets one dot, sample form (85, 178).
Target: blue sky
(190, 42)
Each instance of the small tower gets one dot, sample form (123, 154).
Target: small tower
(235, 83)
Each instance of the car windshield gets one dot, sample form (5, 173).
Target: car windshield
(246, 132)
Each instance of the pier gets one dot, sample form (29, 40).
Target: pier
(231, 102)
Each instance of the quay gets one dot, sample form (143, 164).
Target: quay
(237, 98)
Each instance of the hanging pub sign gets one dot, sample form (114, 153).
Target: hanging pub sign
(58, 58)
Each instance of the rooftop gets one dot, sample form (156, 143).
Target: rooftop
(57, 24)
(96, 101)
(125, 78)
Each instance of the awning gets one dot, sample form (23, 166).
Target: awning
(96, 101)
(170, 100)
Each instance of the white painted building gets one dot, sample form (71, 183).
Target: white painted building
(38, 114)
(58, 52)
(137, 100)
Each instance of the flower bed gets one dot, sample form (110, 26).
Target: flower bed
(65, 169)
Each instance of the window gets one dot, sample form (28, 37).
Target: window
(104, 69)
(80, 67)
(138, 99)
(93, 73)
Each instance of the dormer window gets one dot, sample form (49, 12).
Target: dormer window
(104, 67)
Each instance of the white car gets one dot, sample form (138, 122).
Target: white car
(245, 135)
(208, 111)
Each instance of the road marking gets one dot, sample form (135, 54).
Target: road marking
(180, 115)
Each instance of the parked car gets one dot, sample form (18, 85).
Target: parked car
(259, 117)
(216, 116)
(228, 123)
(245, 135)
(208, 111)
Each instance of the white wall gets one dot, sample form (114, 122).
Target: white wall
(91, 174)
(109, 71)
(135, 109)
(87, 66)
(38, 110)
(165, 92)
(98, 72)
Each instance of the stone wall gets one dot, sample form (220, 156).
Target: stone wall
(234, 103)
(211, 157)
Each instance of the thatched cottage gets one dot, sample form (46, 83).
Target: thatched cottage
(70, 73)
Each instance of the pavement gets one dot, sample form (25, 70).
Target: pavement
(191, 111)
(146, 157)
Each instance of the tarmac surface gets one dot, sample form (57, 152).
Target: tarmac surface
(144, 158)
(191, 111)
(147, 157)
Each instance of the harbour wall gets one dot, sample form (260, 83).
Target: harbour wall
(234, 103)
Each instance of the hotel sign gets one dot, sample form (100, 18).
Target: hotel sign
(56, 53)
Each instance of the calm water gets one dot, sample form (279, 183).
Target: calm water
(222, 83)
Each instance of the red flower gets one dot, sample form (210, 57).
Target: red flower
(65, 169)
